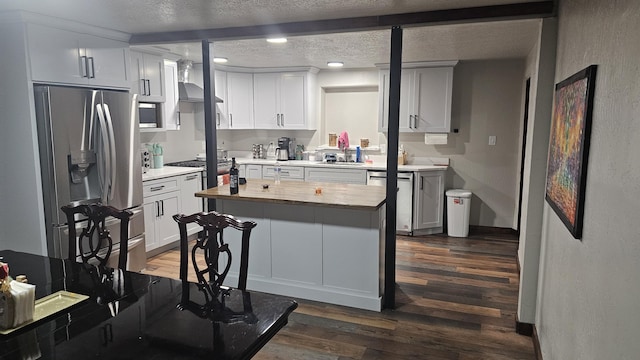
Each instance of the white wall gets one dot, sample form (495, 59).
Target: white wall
(354, 111)
(540, 66)
(358, 86)
(589, 289)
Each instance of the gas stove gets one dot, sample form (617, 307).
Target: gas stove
(189, 163)
(223, 165)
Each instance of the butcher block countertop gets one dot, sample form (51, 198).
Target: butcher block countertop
(357, 197)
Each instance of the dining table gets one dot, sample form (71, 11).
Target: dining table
(85, 311)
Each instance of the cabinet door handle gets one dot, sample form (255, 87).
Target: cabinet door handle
(84, 67)
(218, 118)
(281, 119)
(156, 188)
(157, 208)
(109, 329)
(277, 119)
(178, 118)
(148, 87)
(93, 69)
(421, 182)
(162, 204)
(144, 87)
(191, 177)
(230, 120)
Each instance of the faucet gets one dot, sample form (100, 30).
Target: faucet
(348, 155)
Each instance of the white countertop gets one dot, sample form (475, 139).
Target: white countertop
(352, 165)
(167, 171)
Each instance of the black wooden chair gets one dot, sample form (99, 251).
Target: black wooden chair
(95, 242)
(209, 246)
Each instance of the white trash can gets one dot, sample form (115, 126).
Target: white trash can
(458, 208)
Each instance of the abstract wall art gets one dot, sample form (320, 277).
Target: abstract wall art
(569, 148)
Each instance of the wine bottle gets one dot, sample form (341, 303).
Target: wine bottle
(234, 181)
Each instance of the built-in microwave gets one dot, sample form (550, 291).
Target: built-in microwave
(150, 115)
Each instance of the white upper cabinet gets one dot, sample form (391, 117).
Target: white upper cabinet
(240, 100)
(266, 110)
(222, 114)
(425, 99)
(171, 110)
(280, 100)
(67, 57)
(148, 76)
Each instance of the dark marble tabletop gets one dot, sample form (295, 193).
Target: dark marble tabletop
(134, 316)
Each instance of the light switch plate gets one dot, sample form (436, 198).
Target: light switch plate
(492, 140)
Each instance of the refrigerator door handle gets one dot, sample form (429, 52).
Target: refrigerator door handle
(112, 152)
(106, 154)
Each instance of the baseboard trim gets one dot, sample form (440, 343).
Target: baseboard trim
(492, 230)
(536, 344)
(525, 329)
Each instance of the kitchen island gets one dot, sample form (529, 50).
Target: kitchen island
(316, 241)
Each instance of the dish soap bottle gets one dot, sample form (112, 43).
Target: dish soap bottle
(234, 181)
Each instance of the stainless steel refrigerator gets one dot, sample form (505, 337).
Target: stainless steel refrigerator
(89, 144)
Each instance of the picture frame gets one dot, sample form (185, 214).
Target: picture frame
(569, 148)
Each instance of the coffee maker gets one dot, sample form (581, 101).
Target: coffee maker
(285, 149)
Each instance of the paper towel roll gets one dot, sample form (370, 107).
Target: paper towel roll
(435, 139)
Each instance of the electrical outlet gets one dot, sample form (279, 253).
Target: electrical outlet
(492, 140)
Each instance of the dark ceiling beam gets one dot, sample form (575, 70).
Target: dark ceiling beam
(529, 10)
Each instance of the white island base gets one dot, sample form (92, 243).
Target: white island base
(327, 254)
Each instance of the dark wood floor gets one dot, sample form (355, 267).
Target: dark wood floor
(456, 299)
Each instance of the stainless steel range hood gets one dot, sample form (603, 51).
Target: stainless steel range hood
(188, 91)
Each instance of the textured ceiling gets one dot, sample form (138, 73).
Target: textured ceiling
(484, 40)
(488, 40)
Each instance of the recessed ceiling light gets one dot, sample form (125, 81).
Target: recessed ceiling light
(277, 40)
(335, 64)
(220, 60)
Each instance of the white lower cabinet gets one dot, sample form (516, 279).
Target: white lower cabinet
(420, 200)
(286, 172)
(253, 171)
(346, 176)
(189, 185)
(429, 201)
(159, 225)
(164, 198)
(250, 171)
